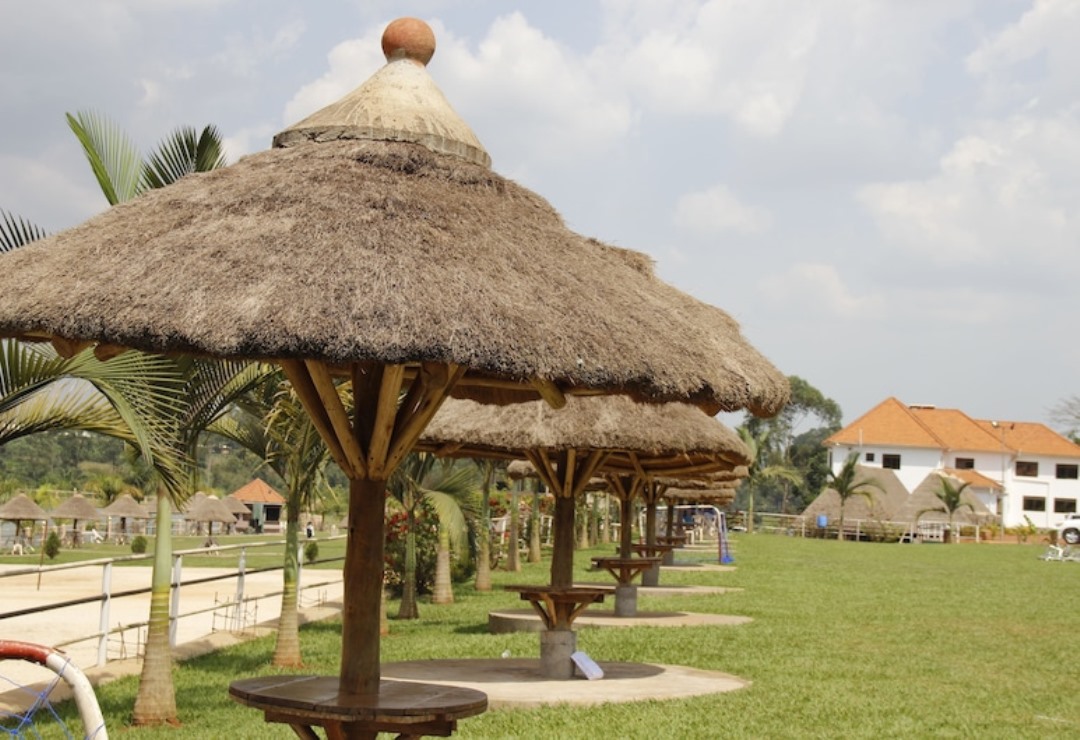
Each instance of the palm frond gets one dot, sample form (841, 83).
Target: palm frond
(115, 160)
(182, 153)
(17, 232)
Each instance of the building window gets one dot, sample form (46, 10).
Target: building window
(869, 457)
(965, 463)
(1034, 503)
(1064, 506)
(892, 462)
(1067, 472)
(1027, 469)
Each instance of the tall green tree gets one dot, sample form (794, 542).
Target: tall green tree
(951, 497)
(846, 483)
(765, 466)
(793, 441)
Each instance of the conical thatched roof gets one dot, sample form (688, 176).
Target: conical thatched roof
(193, 502)
(78, 507)
(884, 506)
(658, 436)
(351, 242)
(924, 497)
(126, 506)
(720, 479)
(235, 505)
(520, 469)
(716, 496)
(22, 507)
(210, 509)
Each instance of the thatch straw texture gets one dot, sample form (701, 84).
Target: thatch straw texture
(924, 497)
(78, 507)
(659, 436)
(126, 506)
(22, 507)
(883, 506)
(210, 509)
(235, 505)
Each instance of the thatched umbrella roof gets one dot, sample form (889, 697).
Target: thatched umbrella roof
(344, 249)
(656, 439)
(883, 506)
(127, 507)
(520, 470)
(77, 507)
(235, 505)
(210, 509)
(22, 507)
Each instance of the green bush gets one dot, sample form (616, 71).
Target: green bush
(311, 552)
(52, 545)
(138, 545)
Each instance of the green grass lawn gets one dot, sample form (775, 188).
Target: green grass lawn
(848, 640)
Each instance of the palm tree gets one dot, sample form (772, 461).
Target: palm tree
(209, 389)
(483, 534)
(950, 496)
(847, 485)
(447, 488)
(761, 470)
(271, 423)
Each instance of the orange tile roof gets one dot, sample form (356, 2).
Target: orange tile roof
(891, 423)
(258, 491)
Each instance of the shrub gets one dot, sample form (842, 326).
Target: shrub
(311, 552)
(138, 545)
(52, 545)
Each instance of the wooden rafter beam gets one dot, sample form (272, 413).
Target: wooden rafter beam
(385, 416)
(297, 373)
(435, 382)
(338, 416)
(550, 392)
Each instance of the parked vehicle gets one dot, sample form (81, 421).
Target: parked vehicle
(1069, 530)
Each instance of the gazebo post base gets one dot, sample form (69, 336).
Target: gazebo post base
(651, 577)
(626, 600)
(556, 647)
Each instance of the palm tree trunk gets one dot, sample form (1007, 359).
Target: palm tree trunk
(444, 591)
(534, 525)
(408, 608)
(483, 537)
(513, 556)
(155, 702)
(287, 647)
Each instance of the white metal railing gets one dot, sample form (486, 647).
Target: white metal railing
(239, 609)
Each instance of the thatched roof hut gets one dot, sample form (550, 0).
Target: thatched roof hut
(76, 508)
(210, 509)
(882, 506)
(922, 502)
(22, 508)
(236, 506)
(372, 242)
(126, 507)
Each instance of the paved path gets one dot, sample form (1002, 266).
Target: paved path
(200, 632)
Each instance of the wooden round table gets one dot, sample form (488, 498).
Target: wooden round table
(410, 709)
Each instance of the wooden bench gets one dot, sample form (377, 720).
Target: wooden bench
(410, 709)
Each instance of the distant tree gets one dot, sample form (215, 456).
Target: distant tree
(950, 495)
(762, 469)
(1067, 415)
(847, 484)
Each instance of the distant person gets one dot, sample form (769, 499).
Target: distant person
(310, 530)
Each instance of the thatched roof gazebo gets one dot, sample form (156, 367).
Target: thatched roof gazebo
(373, 244)
(629, 441)
(77, 508)
(22, 508)
(210, 509)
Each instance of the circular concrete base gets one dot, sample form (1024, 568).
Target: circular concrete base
(517, 682)
(672, 590)
(526, 620)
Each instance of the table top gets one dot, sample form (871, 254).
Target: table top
(649, 549)
(317, 698)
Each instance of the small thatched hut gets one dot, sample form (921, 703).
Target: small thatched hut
(78, 509)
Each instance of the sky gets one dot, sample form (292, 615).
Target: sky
(883, 193)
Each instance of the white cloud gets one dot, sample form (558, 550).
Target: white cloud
(717, 211)
(1005, 191)
(808, 289)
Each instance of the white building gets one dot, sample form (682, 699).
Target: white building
(1015, 468)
